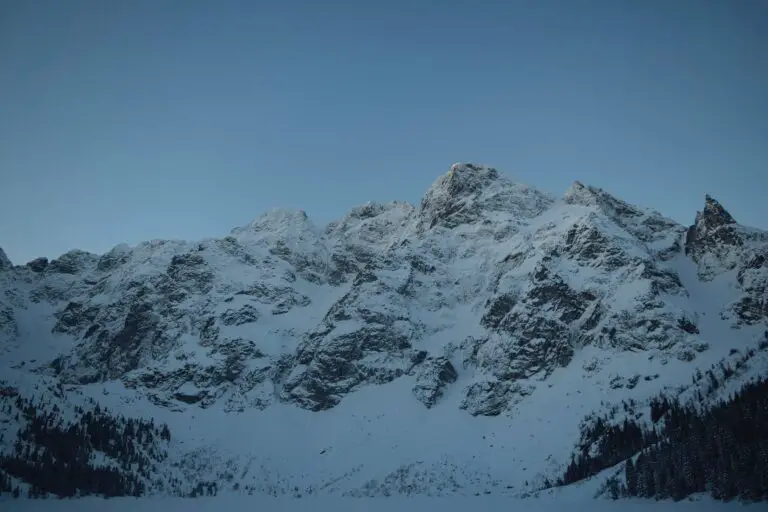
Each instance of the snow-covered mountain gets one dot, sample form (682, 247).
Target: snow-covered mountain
(453, 347)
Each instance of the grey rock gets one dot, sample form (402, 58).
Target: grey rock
(328, 366)
(38, 264)
(74, 318)
(72, 262)
(188, 272)
(588, 245)
(714, 230)
(487, 398)
(113, 259)
(284, 298)
(246, 314)
(433, 375)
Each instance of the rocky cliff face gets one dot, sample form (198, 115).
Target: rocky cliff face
(489, 285)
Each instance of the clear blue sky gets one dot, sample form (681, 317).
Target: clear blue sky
(136, 119)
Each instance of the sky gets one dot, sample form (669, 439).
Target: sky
(131, 120)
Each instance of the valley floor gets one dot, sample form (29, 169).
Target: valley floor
(399, 504)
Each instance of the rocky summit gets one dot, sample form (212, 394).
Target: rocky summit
(456, 346)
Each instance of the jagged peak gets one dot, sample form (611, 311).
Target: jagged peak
(714, 214)
(73, 262)
(283, 226)
(469, 174)
(276, 219)
(645, 224)
(461, 179)
(5, 261)
(715, 231)
(578, 193)
(471, 167)
(470, 191)
(587, 195)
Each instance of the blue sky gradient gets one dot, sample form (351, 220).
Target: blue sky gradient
(130, 120)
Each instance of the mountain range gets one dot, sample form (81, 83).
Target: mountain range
(466, 345)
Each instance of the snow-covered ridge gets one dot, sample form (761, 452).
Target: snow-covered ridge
(398, 343)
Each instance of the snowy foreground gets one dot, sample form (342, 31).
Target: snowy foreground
(399, 504)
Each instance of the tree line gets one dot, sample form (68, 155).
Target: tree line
(721, 450)
(60, 458)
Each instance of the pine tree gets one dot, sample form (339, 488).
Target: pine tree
(631, 477)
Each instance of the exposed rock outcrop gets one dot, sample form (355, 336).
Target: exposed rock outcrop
(432, 377)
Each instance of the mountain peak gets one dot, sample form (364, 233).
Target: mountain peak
(466, 178)
(276, 219)
(578, 193)
(714, 214)
(587, 195)
(714, 232)
(452, 191)
(472, 167)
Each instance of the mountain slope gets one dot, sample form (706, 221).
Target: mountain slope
(450, 347)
